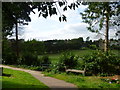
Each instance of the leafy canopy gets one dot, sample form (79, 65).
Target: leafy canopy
(95, 15)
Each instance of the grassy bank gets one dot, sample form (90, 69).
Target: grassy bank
(20, 79)
(83, 81)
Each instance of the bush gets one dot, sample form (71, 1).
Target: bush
(67, 60)
(94, 47)
(8, 54)
(84, 48)
(44, 62)
(29, 59)
(9, 58)
(102, 62)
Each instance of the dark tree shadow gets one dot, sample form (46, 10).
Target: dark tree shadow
(7, 75)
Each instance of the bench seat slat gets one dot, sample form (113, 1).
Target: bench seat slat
(73, 70)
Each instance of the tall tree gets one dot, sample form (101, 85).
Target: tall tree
(18, 12)
(99, 13)
(21, 11)
(14, 13)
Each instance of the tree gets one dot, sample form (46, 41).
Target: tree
(18, 12)
(99, 13)
(14, 13)
(21, 11)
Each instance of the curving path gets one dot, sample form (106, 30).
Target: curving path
(52, 83)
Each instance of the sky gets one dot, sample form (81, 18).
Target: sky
(51, 28)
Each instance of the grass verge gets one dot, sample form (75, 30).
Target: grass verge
(83, 81)
(20, 79)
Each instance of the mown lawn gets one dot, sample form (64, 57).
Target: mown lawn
(83, 81)
(55, 57)
(20, 79)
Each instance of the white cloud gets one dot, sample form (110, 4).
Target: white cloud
(51, 28)
(69, 31)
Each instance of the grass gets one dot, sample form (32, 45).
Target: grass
(83, 81)
(20, 79)
(55, 57)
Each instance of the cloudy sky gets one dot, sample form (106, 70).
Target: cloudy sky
(48, 29)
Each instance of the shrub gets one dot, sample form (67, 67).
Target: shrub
(29, 59)
(8, 54)
(44, 62)
(101, 62)
(84, 48)
(9, 58)
(94, 47)
(67, 60)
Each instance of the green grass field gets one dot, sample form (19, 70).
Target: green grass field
(55, 57)
(83, 81)
(20, 79)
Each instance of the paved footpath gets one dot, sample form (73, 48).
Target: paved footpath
(52, 83)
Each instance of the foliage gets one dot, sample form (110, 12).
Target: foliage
(102, 62)
(32, 67)
(45, 60)
(8, 55)
(55, 46)
(12, 13)
(20, 12)
(66, 60)
(95, 14)
(94, 47)
(33, 46)
(99, 13)
(20, 80)
(29, 59)
(9, 58)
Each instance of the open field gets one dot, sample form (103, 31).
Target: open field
(83, 81)
(20, 79)
(55, 57)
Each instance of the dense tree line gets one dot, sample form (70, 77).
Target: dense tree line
(53, 46)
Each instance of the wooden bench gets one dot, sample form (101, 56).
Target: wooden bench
(77, 71)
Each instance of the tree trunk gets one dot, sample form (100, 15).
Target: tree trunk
(107, 32)
(17, 47)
